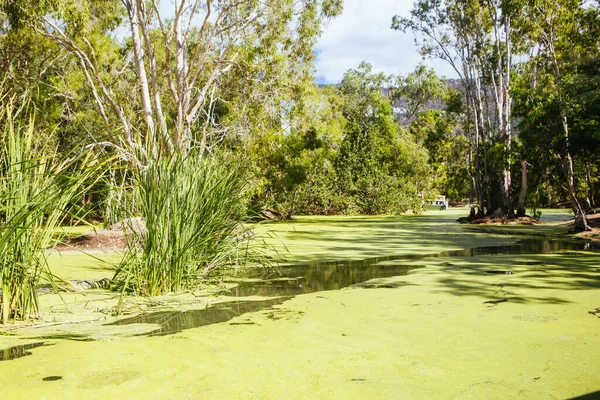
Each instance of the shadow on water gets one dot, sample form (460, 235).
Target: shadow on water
(294, 280)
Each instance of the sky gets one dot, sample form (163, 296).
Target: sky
(363, 33)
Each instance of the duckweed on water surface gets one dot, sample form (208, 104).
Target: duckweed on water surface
(449, 329)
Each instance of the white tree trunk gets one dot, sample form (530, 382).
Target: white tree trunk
(134, 21)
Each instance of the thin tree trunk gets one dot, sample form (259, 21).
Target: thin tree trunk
(523, 194)
(548, 191)
(502, 100)
(165, 142)
(508, 208)
(580, 218)
(132, 10)
(471, 166)
(478, 113)
(590, 184)
(473, 159)
(183, 130)
(488, 195)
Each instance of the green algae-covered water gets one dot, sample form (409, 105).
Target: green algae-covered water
(364, 307)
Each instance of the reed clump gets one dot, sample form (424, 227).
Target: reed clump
(193, 208)
(36, 193)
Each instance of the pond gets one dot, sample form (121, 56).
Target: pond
(301, 279)
(413, 307)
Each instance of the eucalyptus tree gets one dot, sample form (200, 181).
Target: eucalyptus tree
(582, 93)
(417, 89)
(564, 34)
(476, 37)
(453, 32)
(178, 71)
(176, 63)
(500, 63)
(432, 112)
(42, 72)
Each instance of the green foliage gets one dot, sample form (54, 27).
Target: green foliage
(447, 150)
(36, 192)
(418, 89)
(379, 167)
(79, 14)
(568, 84)
(193, 208)
(341, 151)
(42, 71)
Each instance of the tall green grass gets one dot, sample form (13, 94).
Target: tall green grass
(36, 190)
(193, 209)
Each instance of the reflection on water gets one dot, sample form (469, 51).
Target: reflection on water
(318, 277)
(293, 280)
(19, 351)
(175, 321)
(528, 246)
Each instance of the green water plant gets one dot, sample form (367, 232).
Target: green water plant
(193, 208)
(36, 195)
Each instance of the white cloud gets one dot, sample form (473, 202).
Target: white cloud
(363, 33)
